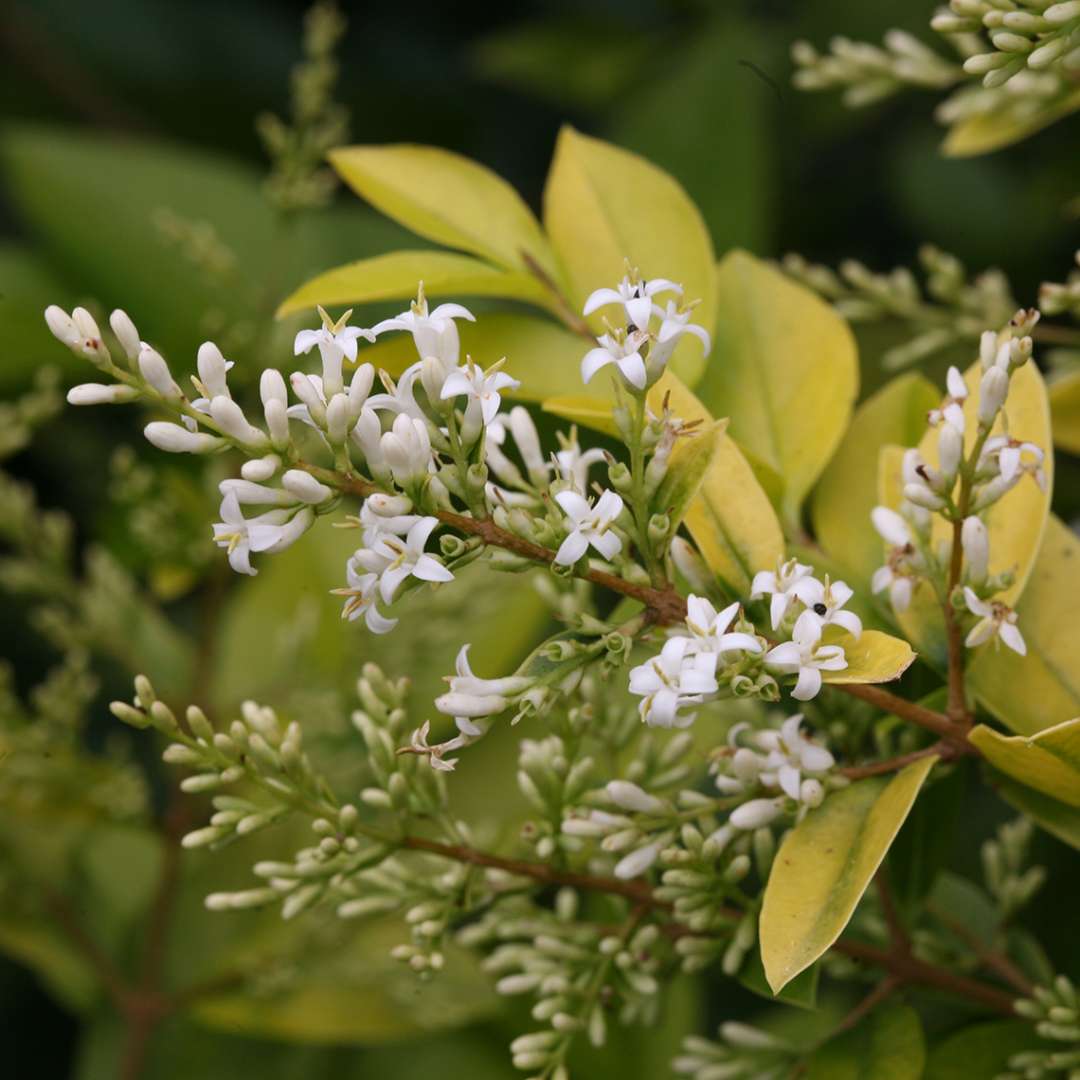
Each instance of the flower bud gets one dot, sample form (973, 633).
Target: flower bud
(178, 440)
(62, 327)
(101, 394)
(359, 388)
(921, 495)
(950, 452)
(993, 390)
(126, 334)
(975, 540)
(755, 813)
(212, 370)
(231, 419)
(156, 372)
(305, 487)
(628, 796)
(305, 390)
(337, 419)
(259, 470)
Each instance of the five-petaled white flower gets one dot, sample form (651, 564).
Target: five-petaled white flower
(624, 353)
(394, 559)
(434, 333)
(671, 681)
(709, 629)
(995, 620)
(790, 754)
(591, 525)
(270, 532)
(481, 387)
(830, 608)
(805, 656)
(361, 591)
(791, 581)
(634, 296)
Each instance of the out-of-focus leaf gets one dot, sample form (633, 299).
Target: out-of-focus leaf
(1037, 691)
(1065, 411)
(887, 1045)
(825, 864)
(690, 461)
(784, 368)
(603, 205)
(719, 147)
(956, 895)
(1048, 761)
(731, 520)
(543, 355)
(984, 132)
(802, 991)
(875, 658)
(1015, 523)
(395, 276)
(980, 1050)
(1057, 818)
(449, 199)
(848, 489)
(61, 968)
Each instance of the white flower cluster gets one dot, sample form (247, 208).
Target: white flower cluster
(974, 471)
(776, 766)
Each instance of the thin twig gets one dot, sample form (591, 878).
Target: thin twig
(991, 959)
(884, 990)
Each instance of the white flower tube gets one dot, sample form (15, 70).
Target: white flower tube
(156, 372)
(178, 440)
(975, 540)
(101, 394)
(306, 488)
(235, 424)
(126, 333)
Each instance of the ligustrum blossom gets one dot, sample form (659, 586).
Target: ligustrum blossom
(480, 387)
(470, 696)
(900, 573)
(669, 683)
(361, 590)
(336, 342)
(622, 350)
(574, 463)
(435, 333)
(394, 559)
(635, 296)
(995, 620)
(709, 630)
(591, 525)
(791, 581)
(806, 657)
(270, 532)
(951, 410)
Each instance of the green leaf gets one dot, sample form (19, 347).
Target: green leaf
(980, 1050)
(875, 658)
(396, 275)
(62, 969)
(1065, 411)
(848, 489)
(887, 1045)
(987, 131)
(1048, 761)
(801, 992)
(824, 866)
(784, 368)
(731, 520)
(1055, 817)
(603, 205)
(1015, 523)
(691, 459)
(542, 354)
(1037, 691)
(449, 199)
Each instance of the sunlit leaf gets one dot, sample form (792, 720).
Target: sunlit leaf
(887, 1045)
(984, 132)
(1036, 691)
(824, 866)
(876, 657)
(449, 199)
(690, 462)
(1065, 411)
(848, 489)
(603, 205)
(784, 368)
(1048, 761)
(395, 276)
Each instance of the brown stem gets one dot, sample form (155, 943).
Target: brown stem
(946, 751)
(884, 989)
(990, 958)
(933, 721)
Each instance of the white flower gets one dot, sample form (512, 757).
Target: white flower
(624, 353)
(275, 399)
(519, 424)
(178, 440)
(789, 755)
(634, 296)
(385, 515)
(101, 394)
(805, 656)
(305, 487)
(900, 585)
(126, 333)
(400, 396)
(995, 619)
(481, 387)
(335, 342)
(591, 525)
(675, 325)
(892, 528)
(361, 591)
(829, 609)
(471, 696)
(270, 532)
(78, 331)
(790, 582)
(672, 681)
(407, 449)
(951, 409)
(394, 559)
(756, 813)
(709, 629)
(435, 333)
(155, 371)
(573, 462)
(1013, 458)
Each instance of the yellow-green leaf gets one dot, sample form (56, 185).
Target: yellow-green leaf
(886, 1045)
(874, 658)
(544, 356)
(1015, 523)
(1048, 761)
(1065, 411)
(447, 198)
(1055, 817)
(824, 866)
(690, 462)
(395, 276)
(1034, 692)
(784, 368)
(848, 489)
(983, 132)
(584, 409)
(603, 205)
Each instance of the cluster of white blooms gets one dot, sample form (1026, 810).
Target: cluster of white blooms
(975, 470)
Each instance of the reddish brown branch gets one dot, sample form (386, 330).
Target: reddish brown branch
(946, 751)
(888, 702)
(884, 990)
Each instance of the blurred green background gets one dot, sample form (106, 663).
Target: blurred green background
(130, 176)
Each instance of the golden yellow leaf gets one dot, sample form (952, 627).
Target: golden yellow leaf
(1065, 411)
(1048, 761)
(875, 658)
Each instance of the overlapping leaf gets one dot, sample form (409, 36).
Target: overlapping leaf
(1048, 761)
